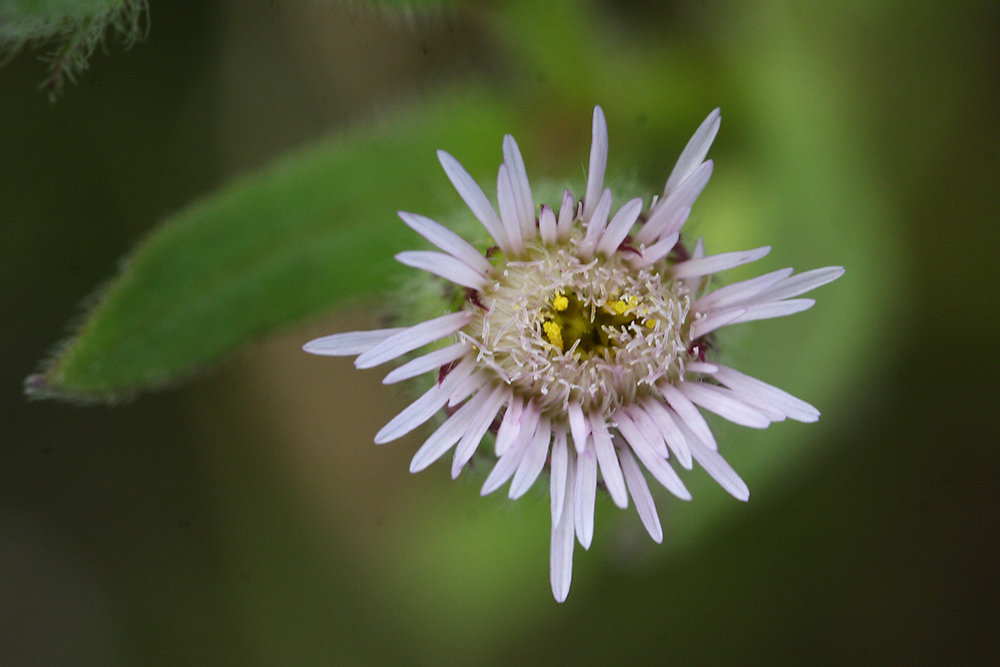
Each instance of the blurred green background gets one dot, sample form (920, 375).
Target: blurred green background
(246, 518)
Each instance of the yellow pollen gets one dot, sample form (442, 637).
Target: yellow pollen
(560, 302)
(553, 332)
(622, 306)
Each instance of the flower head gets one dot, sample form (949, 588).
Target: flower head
(582, 343)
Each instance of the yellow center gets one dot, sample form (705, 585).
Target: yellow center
(569, 322)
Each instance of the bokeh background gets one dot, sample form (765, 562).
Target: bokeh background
(245, 517)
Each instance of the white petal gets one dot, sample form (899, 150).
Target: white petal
(444, 265)
(595, 227)
(547, 225)
(448, 433)
(428, 362)
(578, 426)
(695, 151)
(611, 471)
(477, 429)
(663, 219)
(557, 474)
(522, 188)
(704, 266)
(510, 426)
(719, 470)
(639, 491)
(700, 367)
(426, 406)
(561, 549)
(658, 250)
(718, 402)
(598, 162)
(508, 210)
(511, 459)
(566, 214)
(584, 496)
(410, 339)
(666, 420)
(688, 414)
(778, 399)
(473, 196)
(349, 343)
(715, 320)
(533, 461)
(619, 227)
(447, 240)
(738, 293)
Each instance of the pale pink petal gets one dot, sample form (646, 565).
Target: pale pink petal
(619, 227)
(663, 219)
(533, 461)
(647, 428)
(444, 265)
(410, 339)
(428, 362)
(477, 429)
(656, 464)
(447, 240)
(700, 367)
(578, 426)
(349, 343)
(738, 293)
(611, 471)
(708, 397)
(522, 188)
(558, 468)
(756, 402)
(511, 459)
(719, 470)
(666, 420)
(595, 227)
(598, 162)
(427, 405)
(704, 266)
(688, 414)
(510, 426)
(699, 248)
(473, 196)
(566, 215)
(767, 311)
(715, 320)
(547, 225)
(561, 549)
(695, 151)
(800, 284)
(639, 491)
(449, 432)
(468, 387)
(654, 253)
(778, 399)
(508, 210)
(584, 496)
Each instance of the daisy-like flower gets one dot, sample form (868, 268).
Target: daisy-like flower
(582, 343)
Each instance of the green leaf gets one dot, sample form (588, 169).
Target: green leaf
(312, 232)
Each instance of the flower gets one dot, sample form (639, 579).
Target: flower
(582, 343)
